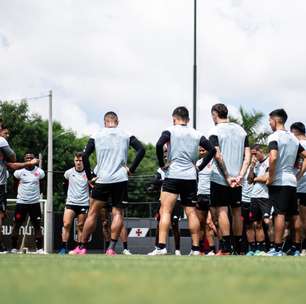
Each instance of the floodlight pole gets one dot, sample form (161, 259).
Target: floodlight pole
(195, 67)
(48, 227)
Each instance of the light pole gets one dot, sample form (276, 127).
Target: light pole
(195, 66)
(48, 227)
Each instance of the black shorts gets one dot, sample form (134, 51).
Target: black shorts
(302, 199)
(117, 193)
(187, 189)
(224, 196)
(261, 208)
(77, 209)
(3, 198)
(203, 202)
(284, 200)
(176, 215)
(33, 210)
(246, 213)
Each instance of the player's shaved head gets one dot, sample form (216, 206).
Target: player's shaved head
(298, 127)
(181, 113)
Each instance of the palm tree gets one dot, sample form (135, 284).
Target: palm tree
(250, 121)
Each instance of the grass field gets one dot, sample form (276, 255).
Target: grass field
(95, 279)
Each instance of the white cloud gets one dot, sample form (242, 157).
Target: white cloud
(136, 57)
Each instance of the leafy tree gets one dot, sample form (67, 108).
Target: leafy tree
(250, 121)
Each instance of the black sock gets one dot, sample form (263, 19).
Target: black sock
(272, 245)
(227, 247)
(238, 244)
(252, 246)
(261, 246)
(107, 244)
(125, 245)
(83, 245)
(295, 246)
(39, 243)
(202, 246)
(161, 246)
(112, 244)
(14, 242)
(65, 245)
(195, 248)
(212, 248)
(278, 247)
(304, 244)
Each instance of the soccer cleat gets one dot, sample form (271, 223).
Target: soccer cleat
(250, 253)
(259, 253)
(211, 253)
(296, 253)
(177, 253)
(158, 251)
(303, 253)
(126, 252)
(14, 251)
(273, 252)
(63, 251)
(110, 252)
(40, 251)
(194, 253)
(221, 253)
(3, 250)
(78, 250)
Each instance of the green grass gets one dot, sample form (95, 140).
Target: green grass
(141, 279)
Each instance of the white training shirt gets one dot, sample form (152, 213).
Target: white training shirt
(78, 189)
(232, 139)
(204, 179)
(302, 182)
(29, 187)
(288, 146)
(260, 190)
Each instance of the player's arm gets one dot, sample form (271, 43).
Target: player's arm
(213, 139)
(140, 153)
(246, 160)
(89, 149)
(18, 166)
(210, 152)
(9, 154)
(302, 153)
(273, 156)
(164, 138)
(261, 179)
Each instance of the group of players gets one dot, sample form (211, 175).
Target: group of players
(229, 191)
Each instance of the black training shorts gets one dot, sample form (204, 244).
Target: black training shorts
(3, 198)
(77, 209)
(224, 196)
(302, 199)
(116, 193)
(284, 200)
(33, 210)
(187, 189)
(261, 208)
(203, 202)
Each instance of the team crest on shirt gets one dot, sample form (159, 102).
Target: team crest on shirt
(36, 173)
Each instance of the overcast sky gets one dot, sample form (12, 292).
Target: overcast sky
(135, 57)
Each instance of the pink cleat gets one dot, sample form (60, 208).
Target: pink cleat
(78, 250)
(110, 252)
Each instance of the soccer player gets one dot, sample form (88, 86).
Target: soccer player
(111, 145)
(231, 163)
(284, 149)
(106, 229)
(261, 206)
(175, 215)
(7, 160)
(203, 196)
(180, 175)
(77, 203)
(298, 129)
(28, 202)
